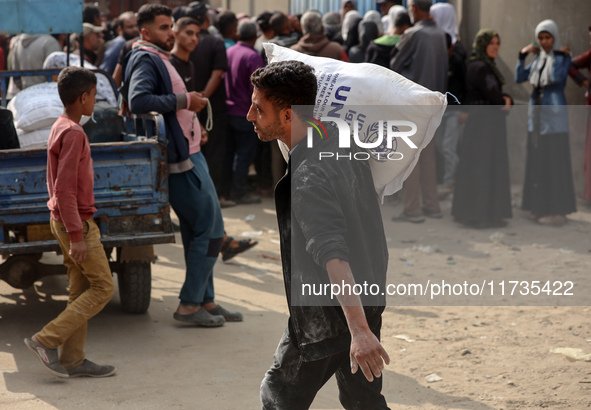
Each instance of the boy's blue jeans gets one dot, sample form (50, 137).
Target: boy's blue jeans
(194, 199)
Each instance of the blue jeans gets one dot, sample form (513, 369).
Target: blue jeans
(240, 151)
(195, 202)
(447, 144)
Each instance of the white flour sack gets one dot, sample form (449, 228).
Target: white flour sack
(372, 94)
(33, 139)
(36, 107)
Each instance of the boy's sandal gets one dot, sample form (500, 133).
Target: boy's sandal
(229, 252)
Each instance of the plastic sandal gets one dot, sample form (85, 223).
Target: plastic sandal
(229, 252)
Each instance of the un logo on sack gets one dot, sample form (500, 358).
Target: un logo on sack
(374, 134)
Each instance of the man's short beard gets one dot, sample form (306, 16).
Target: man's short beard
(163, 45)
(128, 37)
(273, 132)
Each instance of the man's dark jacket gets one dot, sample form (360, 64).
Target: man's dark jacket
(148, 87)
(328, 209)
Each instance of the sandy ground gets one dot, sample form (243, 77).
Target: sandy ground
(488, 357)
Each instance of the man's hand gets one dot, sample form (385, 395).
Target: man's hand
(368, 353)
(197, 101)
(204, 136)
(78, 251)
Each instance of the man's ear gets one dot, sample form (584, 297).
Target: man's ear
(145, 34)
(287, 115)
(83, 98)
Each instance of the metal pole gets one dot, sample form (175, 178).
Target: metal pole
(81, 47)
(68, 49)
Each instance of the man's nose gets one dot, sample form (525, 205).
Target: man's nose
(249, 114)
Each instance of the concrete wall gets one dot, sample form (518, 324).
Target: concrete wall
(515, 20)
(255, 7)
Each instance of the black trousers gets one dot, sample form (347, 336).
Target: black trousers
(215, 149)
(292, 385)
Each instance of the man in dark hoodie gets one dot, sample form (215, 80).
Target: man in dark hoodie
(315, 42)
(380, 49)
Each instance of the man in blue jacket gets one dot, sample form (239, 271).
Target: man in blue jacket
(153, 84)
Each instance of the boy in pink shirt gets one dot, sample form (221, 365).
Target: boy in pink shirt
(70, 180)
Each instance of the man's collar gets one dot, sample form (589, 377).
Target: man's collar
(146, 45)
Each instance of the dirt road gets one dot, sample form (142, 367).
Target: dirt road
(488, 357)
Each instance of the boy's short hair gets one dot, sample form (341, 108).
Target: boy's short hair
(287, 83)
(73, 82)
(148, 12)
(183, 22)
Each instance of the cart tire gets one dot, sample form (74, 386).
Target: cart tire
(135, 286)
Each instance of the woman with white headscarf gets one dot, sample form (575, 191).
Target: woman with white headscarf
(548, 191)
(445, 17)
(376, 17)
(392, 14)
(350, 29)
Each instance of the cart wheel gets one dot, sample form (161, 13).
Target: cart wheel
(135, 285)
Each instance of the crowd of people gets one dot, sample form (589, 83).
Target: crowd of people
(421, 43)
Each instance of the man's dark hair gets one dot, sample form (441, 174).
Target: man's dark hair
(402, 20)
(73, 82)
(184, 22)
(225, 21)
(263, 20)
(423, 5)
(179, 12)
(277, 22)
(148, 12)
(115, 23)
(198, 11)
(287, 83)
(90, 13)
